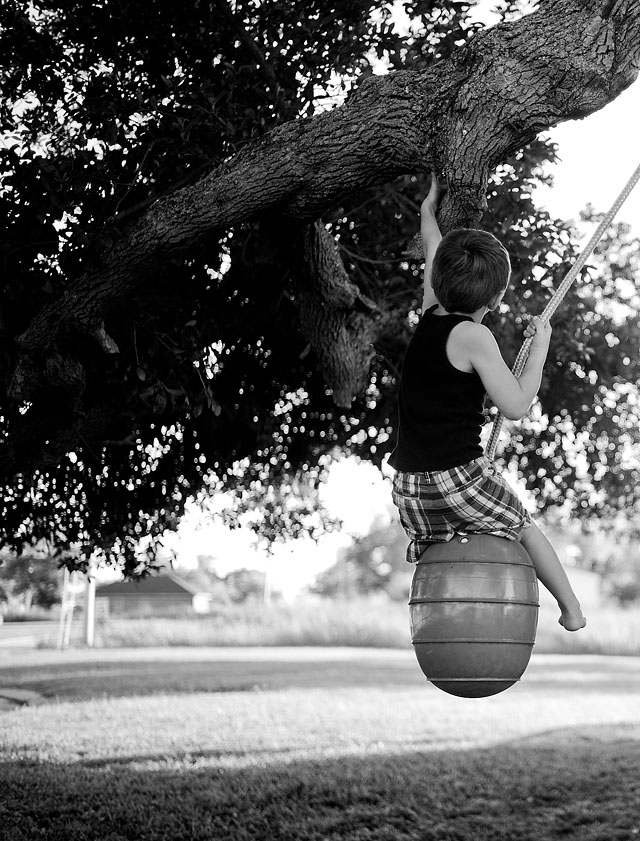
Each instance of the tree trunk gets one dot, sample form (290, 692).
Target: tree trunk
(461, 118)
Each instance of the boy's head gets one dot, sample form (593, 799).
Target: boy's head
(470, 270)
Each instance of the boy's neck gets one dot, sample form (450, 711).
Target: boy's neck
(476, 316)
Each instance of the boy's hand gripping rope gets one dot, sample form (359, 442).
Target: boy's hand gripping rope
(559, 294)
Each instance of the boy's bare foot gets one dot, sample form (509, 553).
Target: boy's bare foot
(572, 619)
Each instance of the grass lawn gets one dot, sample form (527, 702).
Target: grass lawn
(314, 744)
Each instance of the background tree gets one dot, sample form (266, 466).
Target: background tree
(30, 580)
(374, 563)
(172, 303)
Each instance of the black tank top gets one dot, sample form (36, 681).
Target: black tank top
(440, 408)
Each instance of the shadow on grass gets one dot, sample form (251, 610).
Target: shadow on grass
(80, 681)
(583, 791)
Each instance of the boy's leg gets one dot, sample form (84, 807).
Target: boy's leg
(550, 571)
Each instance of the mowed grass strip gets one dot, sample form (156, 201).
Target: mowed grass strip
(239, 729)
(83, 674)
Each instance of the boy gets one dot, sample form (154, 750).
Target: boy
(443, 482)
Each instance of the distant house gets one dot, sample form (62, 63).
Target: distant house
(153, 594)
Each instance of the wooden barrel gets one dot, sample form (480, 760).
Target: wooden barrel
(474, 614)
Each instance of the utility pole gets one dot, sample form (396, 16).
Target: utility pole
(89, 609)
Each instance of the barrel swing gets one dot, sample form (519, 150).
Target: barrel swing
(474, 599)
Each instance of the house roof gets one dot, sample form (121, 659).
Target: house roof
(165, 583)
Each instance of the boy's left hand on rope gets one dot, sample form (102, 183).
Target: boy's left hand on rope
(539, 330)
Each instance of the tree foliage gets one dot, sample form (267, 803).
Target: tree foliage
(205, 366)
(584, 449)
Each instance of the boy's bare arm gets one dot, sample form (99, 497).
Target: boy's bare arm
(513, 396)
(431, 236)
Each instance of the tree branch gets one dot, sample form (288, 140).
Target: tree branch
(462, 116)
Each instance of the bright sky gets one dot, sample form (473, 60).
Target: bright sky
(291, 566)
(597, 156)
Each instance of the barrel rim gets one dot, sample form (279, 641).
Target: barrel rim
(472, 640)
(470, 600)
(516, 563)
(509, 680)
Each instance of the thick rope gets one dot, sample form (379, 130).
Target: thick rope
(559, 294)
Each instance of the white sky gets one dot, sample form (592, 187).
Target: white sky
(597, 156)
(291, 566)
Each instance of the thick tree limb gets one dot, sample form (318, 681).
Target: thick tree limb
(462, 116)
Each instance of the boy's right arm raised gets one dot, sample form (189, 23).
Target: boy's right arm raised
(513, 396)
(431, 236)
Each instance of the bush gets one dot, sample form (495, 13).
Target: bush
(36, 614)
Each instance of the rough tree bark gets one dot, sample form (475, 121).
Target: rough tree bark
(461, 117)
(340, 322)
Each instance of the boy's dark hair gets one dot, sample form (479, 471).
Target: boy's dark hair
(469, 269)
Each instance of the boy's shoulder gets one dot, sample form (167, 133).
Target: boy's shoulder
(472, 339)
(472, 331)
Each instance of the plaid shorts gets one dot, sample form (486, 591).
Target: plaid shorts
(472, 498)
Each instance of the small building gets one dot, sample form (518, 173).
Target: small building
(155, 594)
